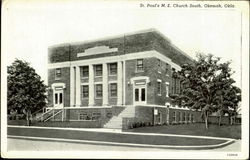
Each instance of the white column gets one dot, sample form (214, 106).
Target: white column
(105, 84)
(78, 87)
(119, 83)
(72, 87)
(91, 86)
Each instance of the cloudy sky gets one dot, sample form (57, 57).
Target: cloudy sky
(29, 27)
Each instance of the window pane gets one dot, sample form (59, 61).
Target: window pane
(85, 71)
(139, 65)
(98, 90)
(61, 98)
(58, 73)
(113, 90)
(98, 70)
(113, 68)
(85, 91)
(136, 94)
(143, 94)
(56, 98)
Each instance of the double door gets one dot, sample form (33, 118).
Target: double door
(139, 95)
(58, 98)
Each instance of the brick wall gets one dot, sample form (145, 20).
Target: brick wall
(65, 78)
(137, 42)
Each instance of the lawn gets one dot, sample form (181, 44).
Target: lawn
(225, 131)
(111, 137)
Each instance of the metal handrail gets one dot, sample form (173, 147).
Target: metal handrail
(53, 115)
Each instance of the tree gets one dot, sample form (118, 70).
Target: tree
(26, 91)
(207, 86)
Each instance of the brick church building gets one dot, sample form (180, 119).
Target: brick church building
(117, 81)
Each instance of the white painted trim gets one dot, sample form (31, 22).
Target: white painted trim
(115, 81)
(105, 89)
(119, 82)
(97, 50)
(98, 82)
(72, 87)
(159, 80)
(111, 59)
(87, 107)
(53, 85)
(78, 86)
(91, 86)
(84, 83)
(167, 83)
(140, 78)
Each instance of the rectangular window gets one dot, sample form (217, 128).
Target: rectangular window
(159, 88)
(174, 116)
(96, 116)
(113, 90)
(98, 70)
(56, 98)
(58, 74)
(167, 90)
(85, 71)
(159, 62)
(139, 65)
(98, 90)
(82, 116)
(167, 70)
(85, 91)
(113, 69)
(184, 117)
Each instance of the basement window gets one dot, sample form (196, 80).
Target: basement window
(96, 116)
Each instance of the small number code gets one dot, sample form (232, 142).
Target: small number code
(232, 154)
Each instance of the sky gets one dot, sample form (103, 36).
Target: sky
(30, 27)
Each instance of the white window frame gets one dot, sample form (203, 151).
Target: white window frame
(110, 69)
(58, 78)
(142, 70)
(159, 81)
(167, 89)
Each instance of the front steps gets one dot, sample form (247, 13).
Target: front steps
(116, 121)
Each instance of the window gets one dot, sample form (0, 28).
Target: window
(113, 69)
(96, 116)
(58, 74)
(98, 90)
(184, 117)
(159, 62)
(180, 117)
(139, 65)
(174, 116)
(167, 90)
(159, 88)
(85, 71)
(82, 116)
(98, 70)
(109, 115)
(56, 98)
(85, 91)
(113, 90)
(167, 70)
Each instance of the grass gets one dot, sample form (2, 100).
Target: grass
(225, 131)
(111, 137)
